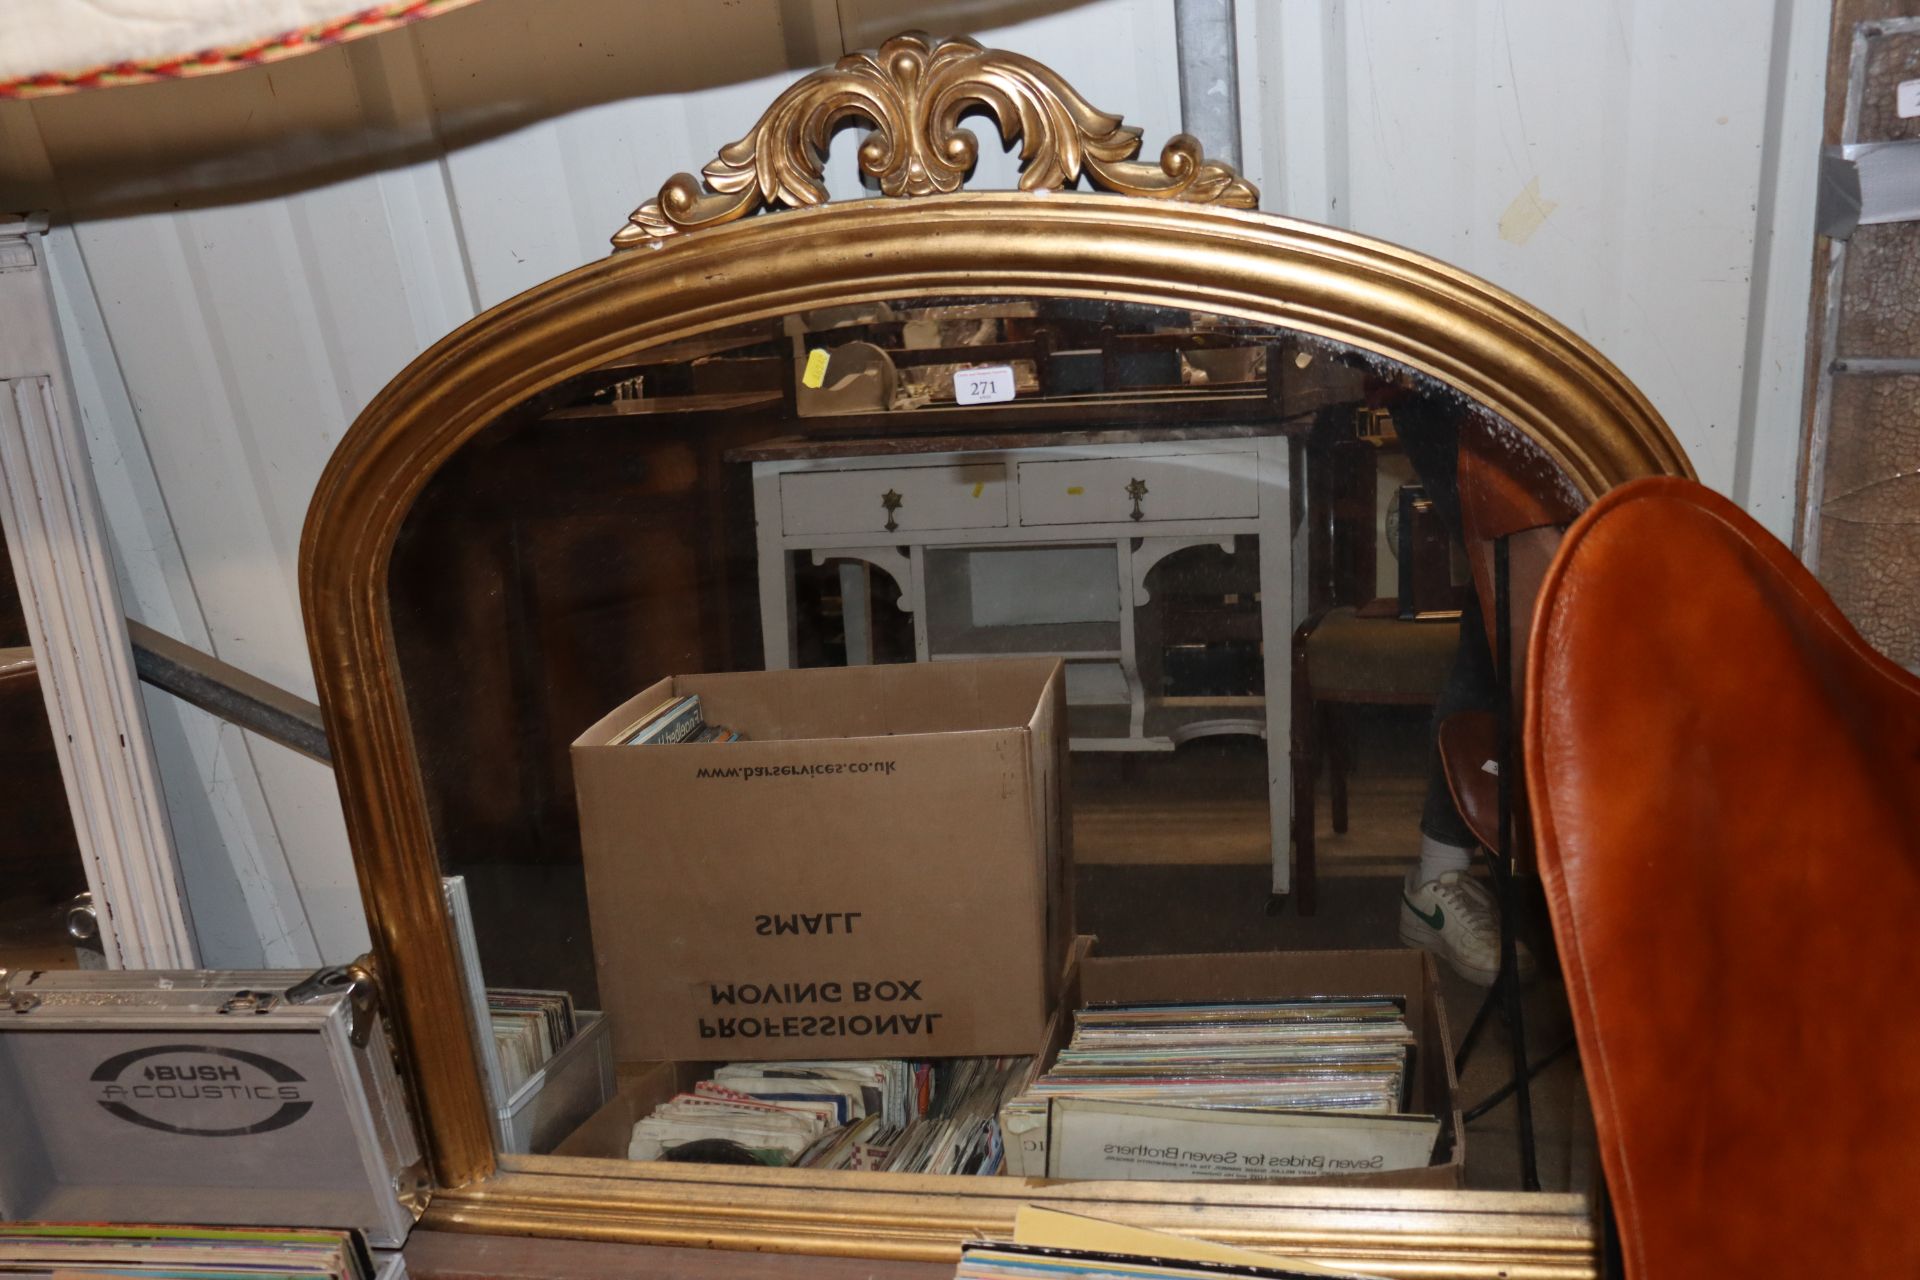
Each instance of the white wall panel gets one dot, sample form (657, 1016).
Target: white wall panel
(543, 198)
(1603, 162)
(237, 404)
(245, 903)
(559, 118)
(1773, 372)
(253, 256)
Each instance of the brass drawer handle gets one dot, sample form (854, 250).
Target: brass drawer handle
(890, 502)
(1137, 489)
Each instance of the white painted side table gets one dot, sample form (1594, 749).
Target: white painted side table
(1041, 545)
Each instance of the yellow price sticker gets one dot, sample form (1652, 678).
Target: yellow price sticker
(816, 373)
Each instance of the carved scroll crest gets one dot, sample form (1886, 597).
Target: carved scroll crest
(913, 92)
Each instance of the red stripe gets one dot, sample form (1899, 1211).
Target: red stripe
(364, 22)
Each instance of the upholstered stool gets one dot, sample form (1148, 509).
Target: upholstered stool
(1343, 656)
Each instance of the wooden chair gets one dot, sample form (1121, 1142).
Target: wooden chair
(1726, 791)
(1343, 659)
(1344, 654)
(1512, 526)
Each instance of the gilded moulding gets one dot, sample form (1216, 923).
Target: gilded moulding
(913, 91)
(1532, 372)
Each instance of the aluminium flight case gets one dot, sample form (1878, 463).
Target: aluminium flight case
(265, 1097)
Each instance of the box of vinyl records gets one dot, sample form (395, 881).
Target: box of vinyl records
(1254, 1067)
(884, 1116)
(1333, 1066)
(642, 1087)
(856, 862)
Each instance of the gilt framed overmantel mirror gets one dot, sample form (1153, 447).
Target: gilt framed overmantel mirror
(1155, 495)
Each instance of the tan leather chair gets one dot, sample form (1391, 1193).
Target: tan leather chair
(1726, 791)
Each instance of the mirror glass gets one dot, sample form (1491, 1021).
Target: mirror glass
(1245, 546)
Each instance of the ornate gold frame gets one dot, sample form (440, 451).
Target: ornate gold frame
(913, 91)
(1529, 370)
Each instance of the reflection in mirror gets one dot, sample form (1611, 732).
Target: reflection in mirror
(1267, 564)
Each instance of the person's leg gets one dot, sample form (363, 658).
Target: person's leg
(1429, 432)
(1442, 908)
(1439, 856)
(1447, 843)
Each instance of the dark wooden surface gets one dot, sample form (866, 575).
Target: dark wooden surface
(550, 570)
(655, 406)
(965, 432)
(442, 1255)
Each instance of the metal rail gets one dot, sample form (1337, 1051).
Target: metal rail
(228, 692)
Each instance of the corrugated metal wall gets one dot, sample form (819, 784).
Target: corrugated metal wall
(245, 260)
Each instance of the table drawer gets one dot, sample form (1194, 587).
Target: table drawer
(1197, 486)
(915, 498)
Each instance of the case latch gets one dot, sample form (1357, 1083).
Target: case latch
(412, 1188)
(356, 982)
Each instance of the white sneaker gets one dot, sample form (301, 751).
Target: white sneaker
(1455, 917)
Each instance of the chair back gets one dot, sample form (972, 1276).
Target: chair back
(1726, 801)
(1497, 500)
(1504, 495)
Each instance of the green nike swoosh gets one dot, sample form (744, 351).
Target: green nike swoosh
(1436, 921)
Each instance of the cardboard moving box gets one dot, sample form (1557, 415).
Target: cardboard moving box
(880, 868)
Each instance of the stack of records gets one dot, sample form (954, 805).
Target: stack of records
(529, 1027)
(878, 1114)
(75, 1250)
(834, 1115)
(961, 1131)
(1300, 1055)
(1142, 1079)
(674, 721)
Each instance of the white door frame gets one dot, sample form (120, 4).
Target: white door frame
(77, 626)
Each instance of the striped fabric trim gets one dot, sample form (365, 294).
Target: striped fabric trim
(207, 62)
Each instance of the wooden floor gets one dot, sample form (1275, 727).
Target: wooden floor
(1206, 804)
